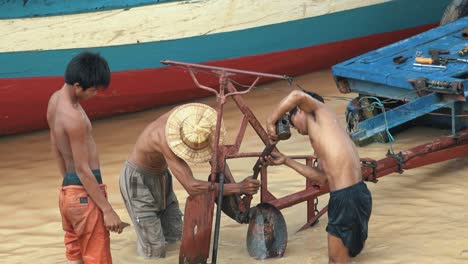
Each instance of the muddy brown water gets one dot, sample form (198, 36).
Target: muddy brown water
(419, 216)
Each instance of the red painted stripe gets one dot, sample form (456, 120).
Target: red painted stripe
(23, 101)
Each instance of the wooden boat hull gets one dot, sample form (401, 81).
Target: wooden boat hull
(139, 81)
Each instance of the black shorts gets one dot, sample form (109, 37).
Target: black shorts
(349, 210)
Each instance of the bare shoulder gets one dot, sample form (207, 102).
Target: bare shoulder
(73, 120)
(51, 106)
(153, 137)
(53, 98)
(156, 134)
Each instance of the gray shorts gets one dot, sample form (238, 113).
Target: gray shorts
(153, 208)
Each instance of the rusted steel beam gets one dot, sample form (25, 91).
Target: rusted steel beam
(214, 68)
(440, 149)
(241, 133)
(244, 155)
(258, 154)
(299, 197)
(265, 195)
(438, 156)
(314, 219)
(249, 114)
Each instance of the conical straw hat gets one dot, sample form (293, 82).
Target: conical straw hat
(190, 130)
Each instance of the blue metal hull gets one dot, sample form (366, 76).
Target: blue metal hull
(429, 94)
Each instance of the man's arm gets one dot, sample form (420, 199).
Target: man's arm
(181, 170)
(313, 174)
(295, 98)
(78, 136)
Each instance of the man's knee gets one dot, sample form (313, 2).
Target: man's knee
(151, 242)
(337, 251)
(152, 249)
(155, 251)
(172, 223)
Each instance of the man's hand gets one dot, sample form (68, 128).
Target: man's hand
(275, 158)
(249, 186)
(271, 130)
(112, 222)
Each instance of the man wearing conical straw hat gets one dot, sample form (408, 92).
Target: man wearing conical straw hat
(183, 135)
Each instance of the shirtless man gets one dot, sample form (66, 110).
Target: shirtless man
(184, 134)
(87, 216)
(350, 202)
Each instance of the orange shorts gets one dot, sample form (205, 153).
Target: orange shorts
(86, 237)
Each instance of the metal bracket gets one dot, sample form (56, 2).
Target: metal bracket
(371, 164)
(399, 158)
(424, 86)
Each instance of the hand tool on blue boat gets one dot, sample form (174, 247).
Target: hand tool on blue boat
(430, 66)
(424, 60)
(442, 61)
(436, 59)
(435, 56)
(455, 60)
(399, 59)
(463, 52)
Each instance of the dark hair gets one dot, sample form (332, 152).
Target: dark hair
(294, 110)
(89, 70)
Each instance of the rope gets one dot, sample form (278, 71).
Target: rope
(380, 104)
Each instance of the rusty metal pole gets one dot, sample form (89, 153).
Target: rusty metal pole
(218, 164)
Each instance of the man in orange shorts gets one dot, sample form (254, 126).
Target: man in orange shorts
(87, 216)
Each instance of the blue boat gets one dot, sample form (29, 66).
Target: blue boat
(417, 80)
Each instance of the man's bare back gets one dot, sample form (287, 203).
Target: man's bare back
(338, 158)
(75, 149)
(60, 114)
(350, 201)
(147, 151)
(152, 151)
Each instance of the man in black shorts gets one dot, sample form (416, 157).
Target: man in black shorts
(350, 204)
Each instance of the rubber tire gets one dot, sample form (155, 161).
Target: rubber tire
(455, 10)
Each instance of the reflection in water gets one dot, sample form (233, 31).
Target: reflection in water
(418, 216)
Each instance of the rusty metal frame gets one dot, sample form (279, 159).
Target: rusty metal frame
(440, 149)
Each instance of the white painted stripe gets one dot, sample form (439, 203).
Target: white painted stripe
(165, 21)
